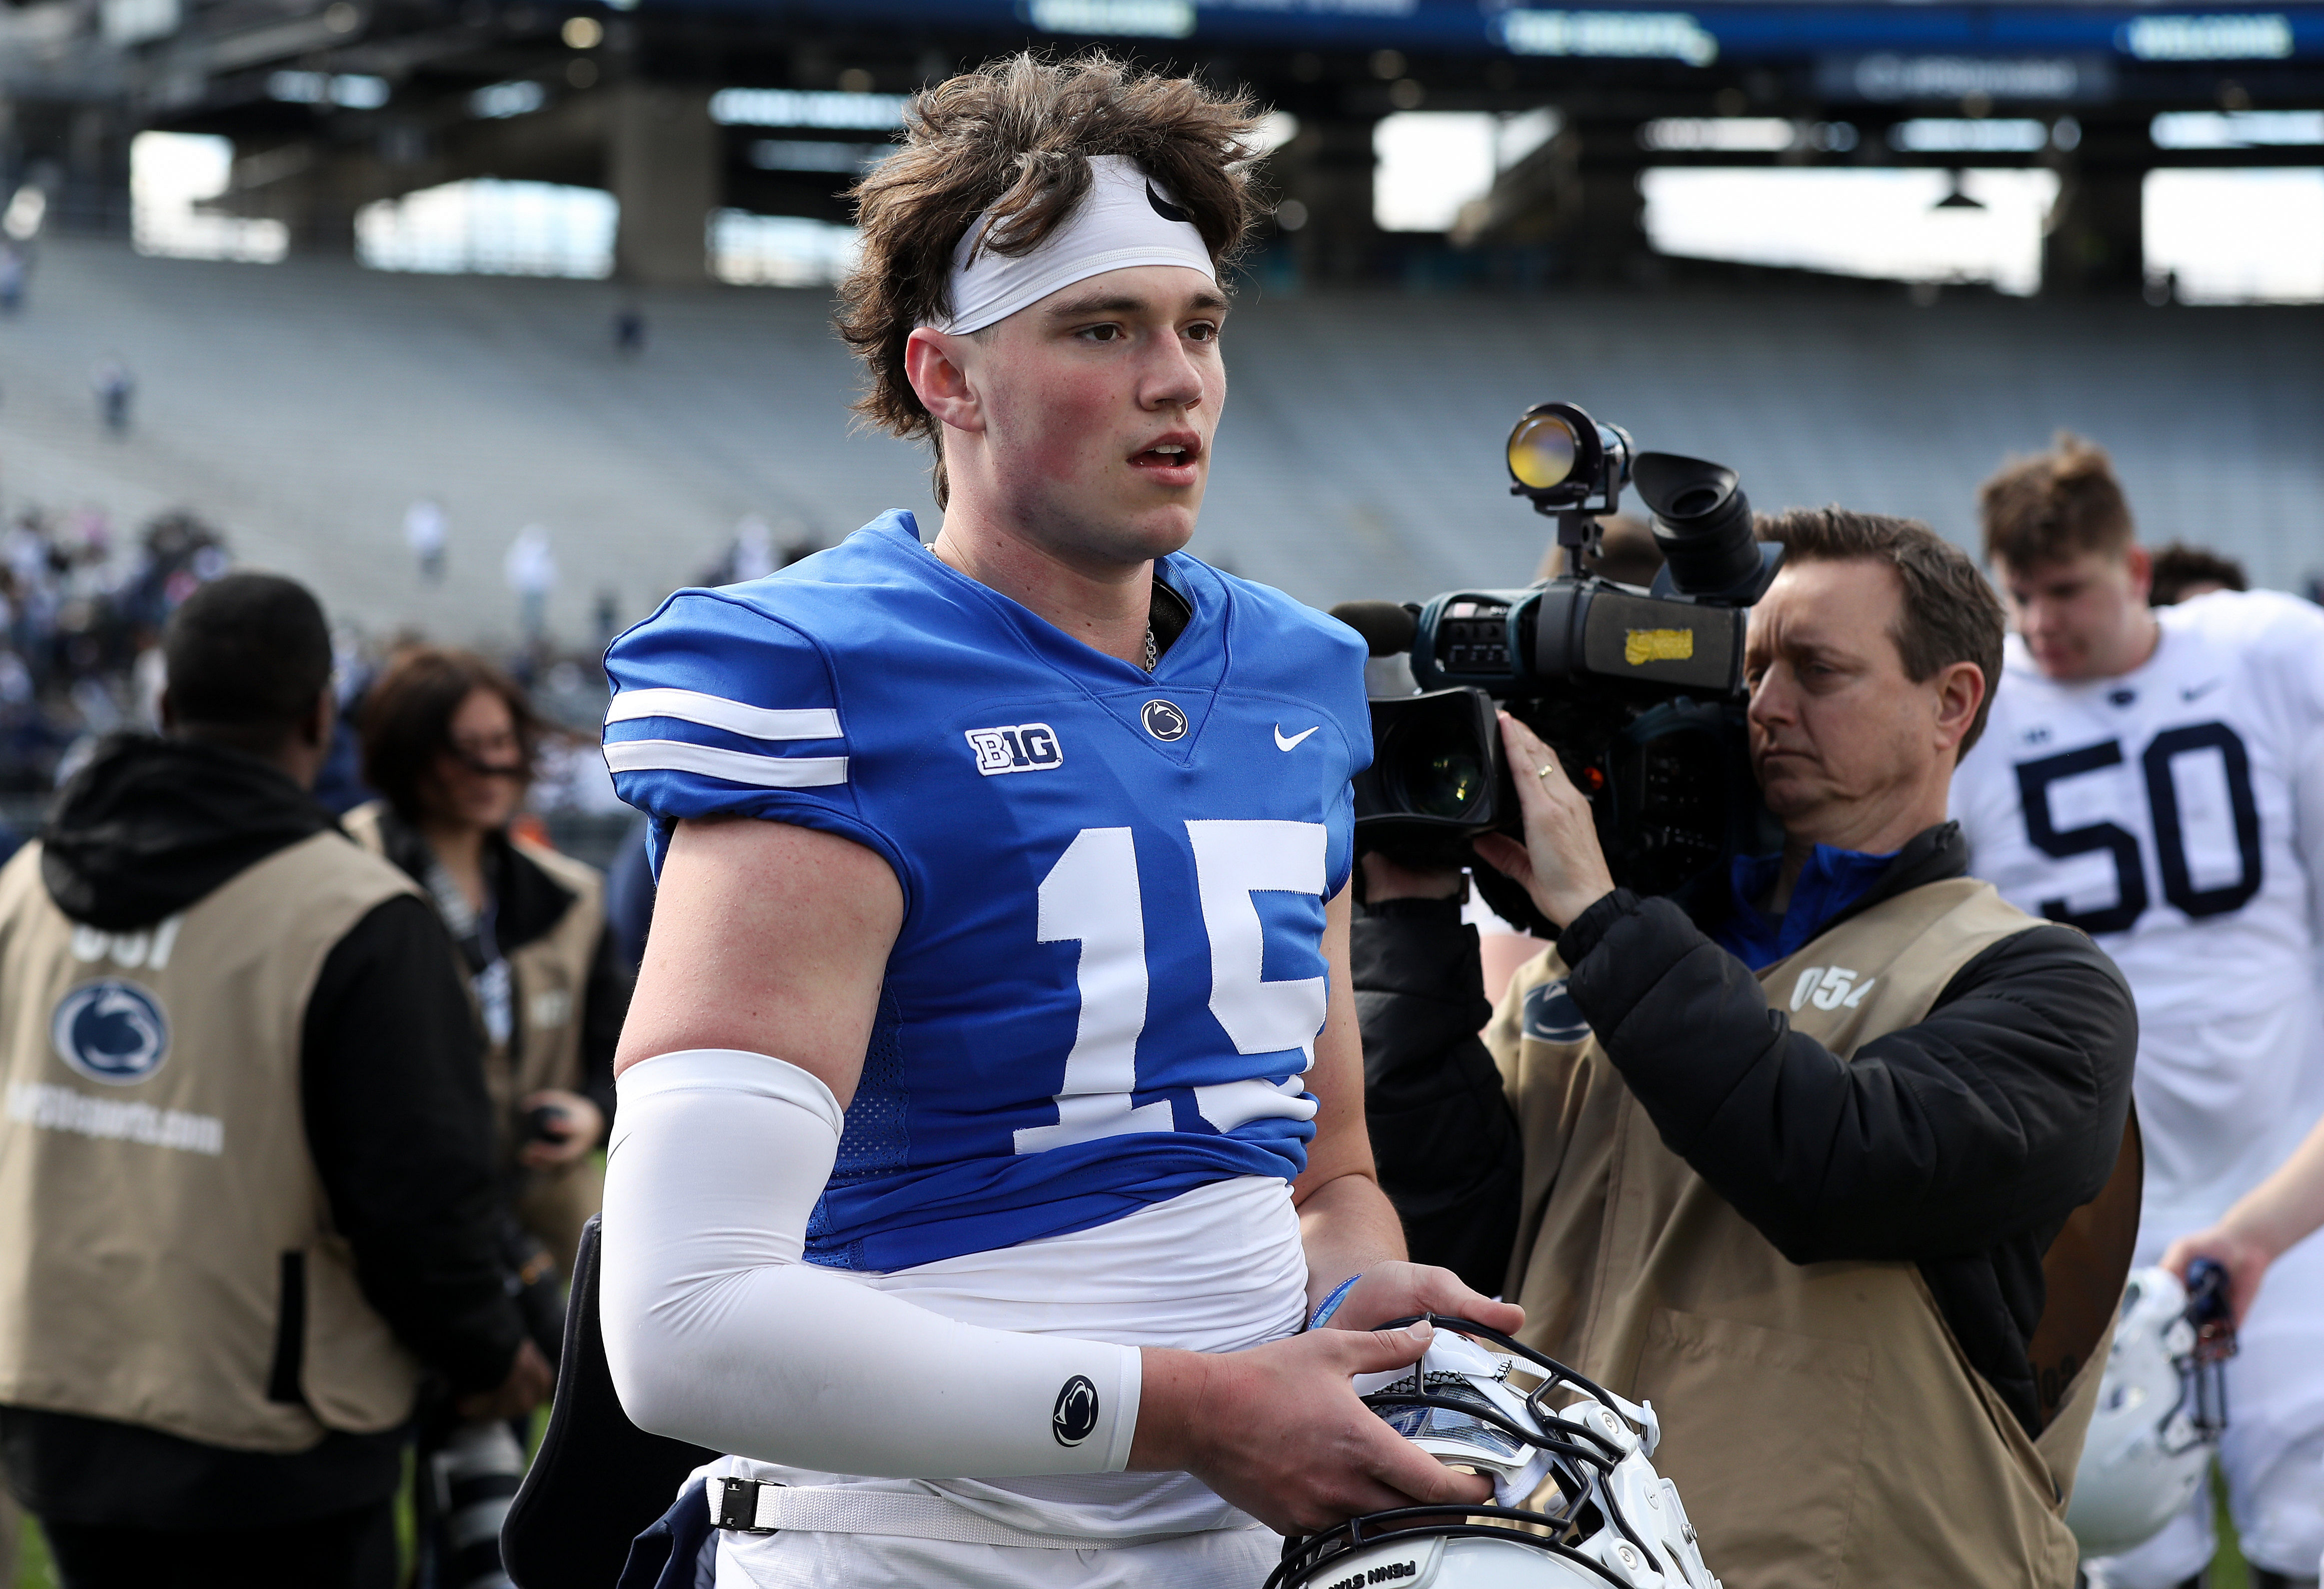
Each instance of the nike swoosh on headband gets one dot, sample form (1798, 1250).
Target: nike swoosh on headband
(1165, 208)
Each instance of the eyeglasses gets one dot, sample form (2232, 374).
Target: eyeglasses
(490, 755)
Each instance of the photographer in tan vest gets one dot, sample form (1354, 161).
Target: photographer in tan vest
(1831, 1156)
(245, 1161)
(448, 740)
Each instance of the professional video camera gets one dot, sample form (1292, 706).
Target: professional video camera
(1640, 691)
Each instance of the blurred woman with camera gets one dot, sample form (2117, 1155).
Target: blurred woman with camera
(447, 741)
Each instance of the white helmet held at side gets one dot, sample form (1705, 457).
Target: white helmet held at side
(2162, 1405)
(1614, 1520)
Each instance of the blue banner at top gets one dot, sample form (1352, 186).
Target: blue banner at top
(1694, 35)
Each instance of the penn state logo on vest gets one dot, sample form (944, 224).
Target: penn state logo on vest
(1551, 1015)
(111, 1031)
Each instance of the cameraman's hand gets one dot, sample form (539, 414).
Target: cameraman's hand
(1280, 1432)
(1559, 865)
(1386, 880)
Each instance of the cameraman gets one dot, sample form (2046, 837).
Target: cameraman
(1832, 1158)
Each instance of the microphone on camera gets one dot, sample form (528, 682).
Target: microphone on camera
(1388, 627)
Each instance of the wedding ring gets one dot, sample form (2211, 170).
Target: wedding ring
(1544, 771)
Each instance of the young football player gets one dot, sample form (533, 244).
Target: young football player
(991, 1142)
(2156, 776)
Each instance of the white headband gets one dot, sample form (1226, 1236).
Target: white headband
(1124, 220)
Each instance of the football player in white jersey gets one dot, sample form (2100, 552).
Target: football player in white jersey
(2156, 776)
(992, 1149)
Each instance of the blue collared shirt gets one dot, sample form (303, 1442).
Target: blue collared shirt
(1832, 881)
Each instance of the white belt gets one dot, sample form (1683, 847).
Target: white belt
(756, 1507)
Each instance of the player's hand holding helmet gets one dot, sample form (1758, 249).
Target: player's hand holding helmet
(1535, 1428)
(2161, 1407)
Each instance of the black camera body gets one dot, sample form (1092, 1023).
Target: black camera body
(1640, 692)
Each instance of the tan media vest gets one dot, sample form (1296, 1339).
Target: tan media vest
(548, 978)
(1821, 1422)
(166, 1251)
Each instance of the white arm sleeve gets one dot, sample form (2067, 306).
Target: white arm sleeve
(718, 1333)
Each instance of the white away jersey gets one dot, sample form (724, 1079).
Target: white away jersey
(2173, 814)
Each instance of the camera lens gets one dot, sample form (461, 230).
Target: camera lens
(1542, 450)
(1440, 768)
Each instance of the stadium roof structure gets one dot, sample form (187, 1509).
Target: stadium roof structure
(1698, 35)
(332, 104)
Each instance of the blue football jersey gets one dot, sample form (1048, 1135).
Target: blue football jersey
(1110, 975)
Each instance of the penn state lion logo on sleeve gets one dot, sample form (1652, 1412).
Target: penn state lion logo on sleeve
(111, 1031)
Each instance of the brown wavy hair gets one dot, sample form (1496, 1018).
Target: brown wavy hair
(1012, 137)
(2055, 505)
(406, 720)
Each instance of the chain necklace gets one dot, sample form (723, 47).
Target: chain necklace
(1152, 655)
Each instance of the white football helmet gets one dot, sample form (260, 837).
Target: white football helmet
(2161, 1406)
(1614, 1521)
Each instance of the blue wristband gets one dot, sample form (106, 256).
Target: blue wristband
(1330, 1304)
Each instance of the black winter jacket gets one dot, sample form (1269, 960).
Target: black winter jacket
(1960, 1144)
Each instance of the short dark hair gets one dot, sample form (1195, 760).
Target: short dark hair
(2180, 565)
(2054, 506)
(249, 653)
(407, 712)
(1012, 136)
(1948, 612)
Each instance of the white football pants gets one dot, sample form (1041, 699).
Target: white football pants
(1239, 1559)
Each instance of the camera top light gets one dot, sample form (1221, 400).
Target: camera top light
(1563, 458)
(1545, 446)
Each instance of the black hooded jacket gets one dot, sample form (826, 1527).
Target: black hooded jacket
(1960, 1144)
(396, 1119)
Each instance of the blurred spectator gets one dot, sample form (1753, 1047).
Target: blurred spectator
(230, 1260)
(753, 557)
(1625, 552)
(424, 533)
(78, 628)
(630, 898)
(755, 551)
(2182, 572)
(530, 569)
(115, 387)
(448, 740)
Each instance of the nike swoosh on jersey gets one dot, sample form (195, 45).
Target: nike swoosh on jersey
(2197, 691)
(1282, 743)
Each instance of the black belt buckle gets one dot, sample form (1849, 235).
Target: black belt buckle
(735, 1505)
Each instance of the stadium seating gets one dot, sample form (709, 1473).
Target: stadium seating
(302, 406)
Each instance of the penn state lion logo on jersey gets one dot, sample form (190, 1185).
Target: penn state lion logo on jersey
(109, 1031)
